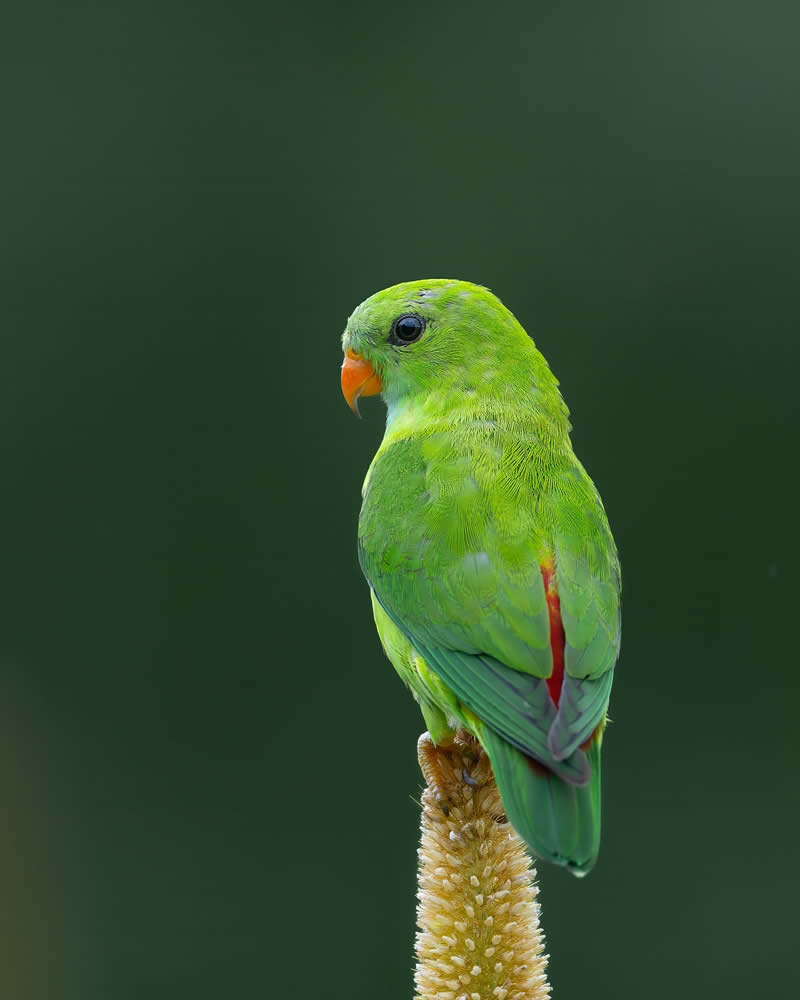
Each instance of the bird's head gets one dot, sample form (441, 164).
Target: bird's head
(440, 336)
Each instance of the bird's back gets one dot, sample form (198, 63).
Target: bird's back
(452, 513)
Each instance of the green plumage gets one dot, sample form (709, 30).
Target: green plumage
(474, 491)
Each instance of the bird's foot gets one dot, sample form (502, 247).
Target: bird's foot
(430, 762)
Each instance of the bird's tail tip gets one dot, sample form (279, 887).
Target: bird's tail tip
(559, 821)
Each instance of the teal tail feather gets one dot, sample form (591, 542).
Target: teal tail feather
(560, 822)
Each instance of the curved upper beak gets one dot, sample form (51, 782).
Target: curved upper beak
(359, 378)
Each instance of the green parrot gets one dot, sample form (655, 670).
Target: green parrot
(494, 576)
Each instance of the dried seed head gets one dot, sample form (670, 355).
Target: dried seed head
(477, 900)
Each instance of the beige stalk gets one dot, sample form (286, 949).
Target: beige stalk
(479, 936)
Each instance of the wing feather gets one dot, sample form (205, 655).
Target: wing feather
(457, 568)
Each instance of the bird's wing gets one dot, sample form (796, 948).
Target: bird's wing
(588, 585)
(515, 705)
(460, 572)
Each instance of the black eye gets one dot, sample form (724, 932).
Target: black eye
(406, 329)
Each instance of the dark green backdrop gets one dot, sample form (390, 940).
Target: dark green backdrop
(207, 769)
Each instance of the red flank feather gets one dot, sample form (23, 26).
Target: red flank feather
(556, 678)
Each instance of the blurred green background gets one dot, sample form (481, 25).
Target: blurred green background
(207, 768)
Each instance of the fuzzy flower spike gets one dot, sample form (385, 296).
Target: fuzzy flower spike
(479, 936)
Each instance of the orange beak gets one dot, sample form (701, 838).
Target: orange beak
(359, 379)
